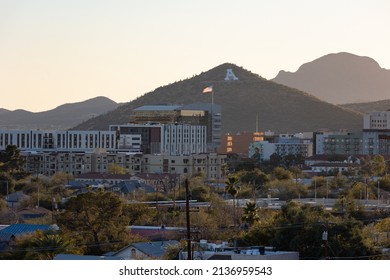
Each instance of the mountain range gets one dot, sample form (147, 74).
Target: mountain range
(340, 78)
(276, 107)
(63, 117)
(244, 102)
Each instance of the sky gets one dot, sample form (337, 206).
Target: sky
(56, 52)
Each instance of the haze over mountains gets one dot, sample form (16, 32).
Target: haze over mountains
(62, 117)
(340, 78)
(337, 78)
(277, 107)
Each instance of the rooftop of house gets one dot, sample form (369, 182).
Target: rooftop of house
(21, 229)
(154, 249)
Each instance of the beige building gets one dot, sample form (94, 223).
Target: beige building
(211, 165)
(239, 143)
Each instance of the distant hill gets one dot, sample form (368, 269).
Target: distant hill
(382, 105)
(62, 117)
(279, 108)
(340, 78)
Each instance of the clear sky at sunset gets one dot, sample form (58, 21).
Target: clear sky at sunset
(55, 52)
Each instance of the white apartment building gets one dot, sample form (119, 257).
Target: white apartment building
(53, 140)
(377, 120)
(286, 146)
(183, 139)
(166, 139)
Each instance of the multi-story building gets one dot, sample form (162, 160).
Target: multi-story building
(57, 140)
(205, 114)
(238, 143)
(338, 143)
(283, 146)
(376, 133)
(211, 165)
(167, 139)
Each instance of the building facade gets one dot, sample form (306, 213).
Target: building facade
(211, 165)
(204, 114)
(58, 140)
(376, 133)
(238, 143)
(166, 139)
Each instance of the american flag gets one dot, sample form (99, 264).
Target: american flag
(208, 89)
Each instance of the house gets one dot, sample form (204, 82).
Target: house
(15, 199)
(145, 250)
(33, 213)
(6, 240)
(155, 233)
(9, 234)
(130, 187)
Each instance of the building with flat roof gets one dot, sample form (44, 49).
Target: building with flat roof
(58, 140)
(204, 114)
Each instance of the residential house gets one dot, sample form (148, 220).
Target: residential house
(145, 250)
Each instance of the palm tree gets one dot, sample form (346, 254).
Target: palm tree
(46, 246)
(232, 188)
(250, 215)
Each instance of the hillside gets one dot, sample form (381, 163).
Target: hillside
(340, 78)
(62, 117)
(279, 108)
(382, 105)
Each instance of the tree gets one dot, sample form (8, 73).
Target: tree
(232, 188)
(99, 220)
(116, 169)
(285, 189)
(373, 166)
(11, 160)
(384, 182)
(275, 160)
(280, 173)
(256, 178)
(250, 215)
(40, 246)
(299, 228)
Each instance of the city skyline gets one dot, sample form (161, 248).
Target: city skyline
(53, 53)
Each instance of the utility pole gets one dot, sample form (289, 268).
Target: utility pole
(325, 242)
(189, 256)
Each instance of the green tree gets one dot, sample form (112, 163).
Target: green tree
(250, 215)
(300, 228)
(275, 160)
(11, 160)
(140, 214)
(285, 189)
(280, 173)
(384, 182)
(98, 219)
(40, 246)
(383, 226)
(373, 166)
(255, 178)
(232, 187)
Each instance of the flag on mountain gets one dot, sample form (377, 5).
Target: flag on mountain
(208, 89)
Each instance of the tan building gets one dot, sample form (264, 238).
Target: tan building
(210, 164)
(239, 143)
